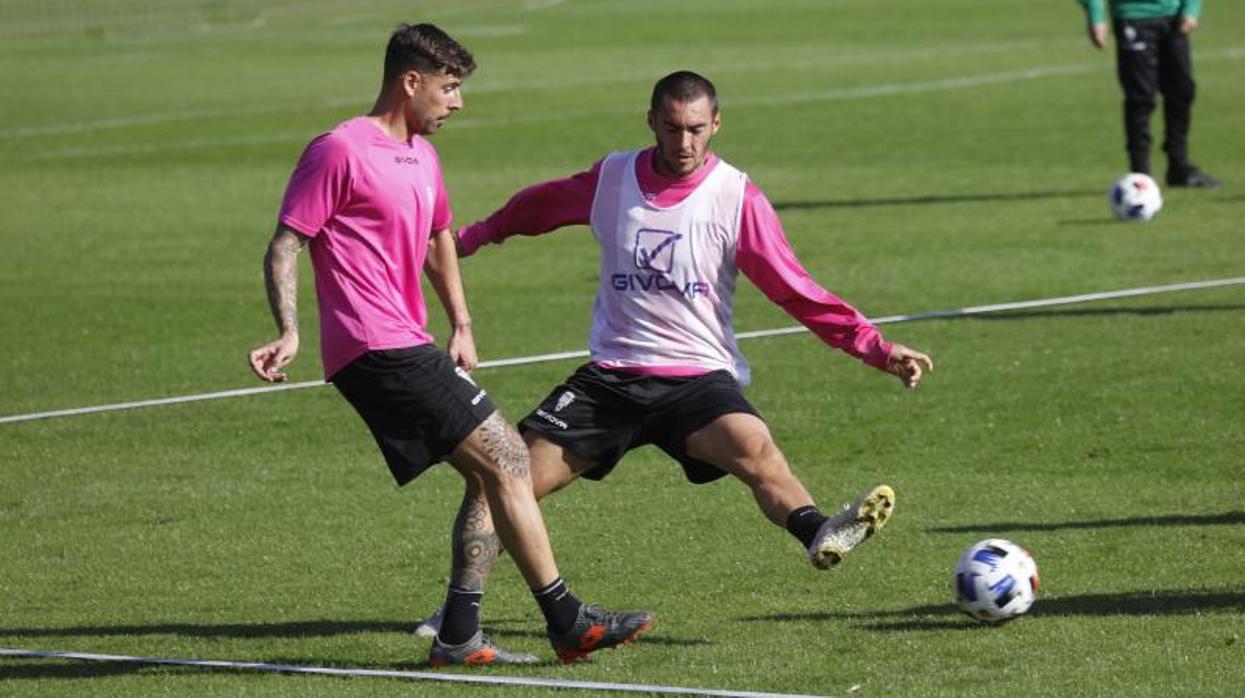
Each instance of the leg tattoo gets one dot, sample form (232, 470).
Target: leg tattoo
(502, 444)
(476, 545)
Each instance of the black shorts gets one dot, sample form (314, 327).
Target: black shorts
(600, 414)
(417, 403)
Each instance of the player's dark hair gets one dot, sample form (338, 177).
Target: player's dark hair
(426, 49)
(683, 86)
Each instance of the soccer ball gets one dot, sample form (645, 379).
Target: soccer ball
(995, 581)
(1135, 197)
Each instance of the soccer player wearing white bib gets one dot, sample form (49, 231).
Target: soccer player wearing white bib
(675, 225)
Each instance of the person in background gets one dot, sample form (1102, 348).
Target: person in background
(1153, 57)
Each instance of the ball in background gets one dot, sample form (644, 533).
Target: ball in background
(1135, 197)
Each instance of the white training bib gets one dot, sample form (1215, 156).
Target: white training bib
(667, 274)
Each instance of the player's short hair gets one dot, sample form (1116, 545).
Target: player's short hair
(683, 86)
(426, 49)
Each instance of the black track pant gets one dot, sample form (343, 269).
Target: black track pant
(1153, 57)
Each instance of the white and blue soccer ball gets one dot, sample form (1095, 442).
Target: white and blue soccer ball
(1135, 197)
(995, 581)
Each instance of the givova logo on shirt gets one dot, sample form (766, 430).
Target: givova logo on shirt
(654, 249)
(654, 252)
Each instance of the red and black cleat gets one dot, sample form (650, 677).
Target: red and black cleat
(597, 628)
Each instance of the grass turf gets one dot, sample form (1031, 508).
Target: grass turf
(922, 156)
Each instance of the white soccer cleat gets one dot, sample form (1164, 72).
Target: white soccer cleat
(848, 528)
(432, 624)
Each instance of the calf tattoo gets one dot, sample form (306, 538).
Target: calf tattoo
(476, 545)
(504, 447)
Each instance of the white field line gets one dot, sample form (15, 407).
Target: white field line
(532, 5)
(559, 356)
(855, 92)
(412, 675)
(841, 93)
(361, 100)
(116, 122)
(900, 88)
(1021, 305)
(833, 94)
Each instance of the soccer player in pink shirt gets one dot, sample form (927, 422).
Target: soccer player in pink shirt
(368, 200)
(675, 224)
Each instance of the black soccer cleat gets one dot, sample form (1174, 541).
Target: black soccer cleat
(596, 629)
(1191, 177)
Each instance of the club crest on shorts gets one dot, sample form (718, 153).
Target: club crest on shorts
(566, 398)
(1130, 39)
(654, 249)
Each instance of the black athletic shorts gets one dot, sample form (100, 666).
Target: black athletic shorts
(418, 404)
(600, 414)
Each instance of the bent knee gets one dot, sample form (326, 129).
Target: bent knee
(502, 453)
(759, 462)
(758, 447)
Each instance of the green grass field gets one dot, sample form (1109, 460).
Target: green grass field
(923, 156)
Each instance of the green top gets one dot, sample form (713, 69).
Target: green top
(1140, 9)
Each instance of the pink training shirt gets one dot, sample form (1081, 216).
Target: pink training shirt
(369, 204)
(762, 252)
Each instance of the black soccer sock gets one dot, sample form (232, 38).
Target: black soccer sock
(462, 616)
(559, 605)
(804, 522)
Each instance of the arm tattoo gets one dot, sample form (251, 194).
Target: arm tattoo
(476, 545)
(502, 444)
(281, 278)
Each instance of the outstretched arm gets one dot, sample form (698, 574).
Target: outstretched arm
(281, 282)
(535, 210)
(766, 258)
(442, 268)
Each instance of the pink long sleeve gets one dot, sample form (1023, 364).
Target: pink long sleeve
(536, 210)
(766, 258)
